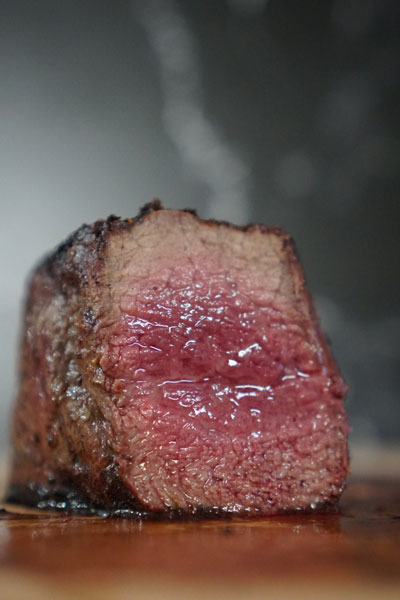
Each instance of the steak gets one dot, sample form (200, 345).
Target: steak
(174, 366)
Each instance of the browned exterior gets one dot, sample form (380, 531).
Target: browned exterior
(64, 444)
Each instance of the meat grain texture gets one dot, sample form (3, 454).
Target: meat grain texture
(171, 365)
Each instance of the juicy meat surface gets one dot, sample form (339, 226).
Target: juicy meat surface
(170, 363)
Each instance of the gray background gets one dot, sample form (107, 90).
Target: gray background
(279, 111)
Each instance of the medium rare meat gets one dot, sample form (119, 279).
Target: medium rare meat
(171, 365)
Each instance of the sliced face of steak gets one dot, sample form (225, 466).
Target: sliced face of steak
(170, 363)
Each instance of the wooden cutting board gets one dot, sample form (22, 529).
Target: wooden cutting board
(354, 553)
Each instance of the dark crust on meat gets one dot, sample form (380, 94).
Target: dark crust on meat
(69, 499)
(43, 469)
(54, 472)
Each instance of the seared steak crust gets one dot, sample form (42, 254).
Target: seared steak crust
(94, 320)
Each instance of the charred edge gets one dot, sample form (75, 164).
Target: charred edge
(191, 211)
(288, 243)
(40, 497)
(66, 501)
(97, 233)
(156, 205)
(90, 240)
(85, 236)
(109, 491)
(150, 207)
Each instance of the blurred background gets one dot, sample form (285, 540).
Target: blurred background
(279, 111)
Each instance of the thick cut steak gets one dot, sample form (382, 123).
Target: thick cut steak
(173, 365)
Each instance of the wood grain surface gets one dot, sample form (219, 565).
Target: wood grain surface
(354, 553)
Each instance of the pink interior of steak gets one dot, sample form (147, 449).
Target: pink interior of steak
(222, 395)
